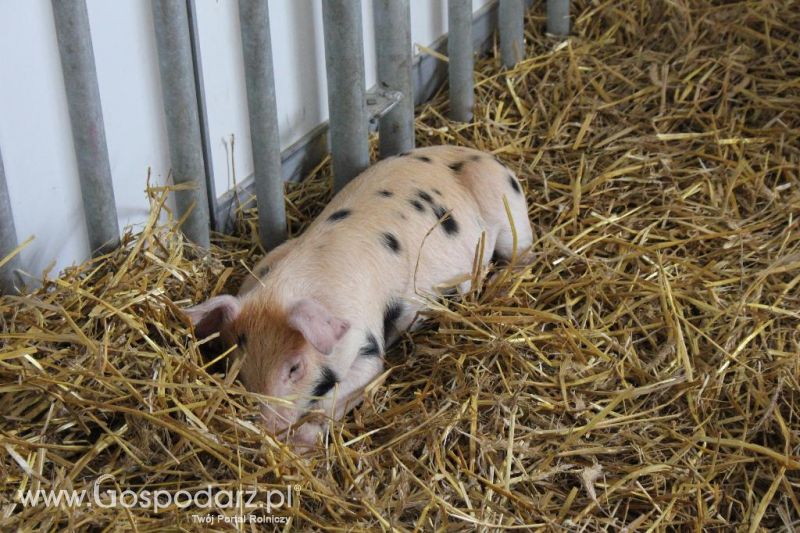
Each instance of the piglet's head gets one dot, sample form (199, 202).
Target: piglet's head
(285, 351)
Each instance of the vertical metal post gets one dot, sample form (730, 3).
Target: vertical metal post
(558, 17)
(263, 111)
(86, 117)
(8, 237)
(511, 25)
(393, 44)
(171, 24)
(344, 64)
(459, 52)
(215, 221)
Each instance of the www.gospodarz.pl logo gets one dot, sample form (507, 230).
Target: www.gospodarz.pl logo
(241, 500)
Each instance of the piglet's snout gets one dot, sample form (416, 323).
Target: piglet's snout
(278, 419)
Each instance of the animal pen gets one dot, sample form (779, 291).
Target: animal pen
(639, 373)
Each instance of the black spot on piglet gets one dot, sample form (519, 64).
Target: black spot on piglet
(390, 315)
(449, 224)
(424, 196)
(417, 205)
(371, 348)
(339, 215)
(327, 380)
(391, 242)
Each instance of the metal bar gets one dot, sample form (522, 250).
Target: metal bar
(460, 55)
(344, 64)
(171, 24)
(392, 20)
(511, 25)
(86, 117)
(8, 237)
(214, 218)
(558, 17)
(264, 134)
(305, 154)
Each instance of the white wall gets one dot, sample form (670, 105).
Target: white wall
(35, 137)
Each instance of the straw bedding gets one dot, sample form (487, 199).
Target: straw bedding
(641, 372)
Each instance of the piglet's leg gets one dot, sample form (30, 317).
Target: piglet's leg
(349, 392)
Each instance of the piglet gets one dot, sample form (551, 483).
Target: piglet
(313, 321)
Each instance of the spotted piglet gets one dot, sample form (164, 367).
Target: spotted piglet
(313, 321)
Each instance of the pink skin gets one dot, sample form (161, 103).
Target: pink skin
(311, 316)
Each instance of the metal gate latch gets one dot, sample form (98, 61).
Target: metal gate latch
(379, 103)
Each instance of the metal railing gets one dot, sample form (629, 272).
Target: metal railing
(393, 25)
(86, 117)
(8, 237)
(344, 66)
(263, 112)
(176, 66)
(351, 107)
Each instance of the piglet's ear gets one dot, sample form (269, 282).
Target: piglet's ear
(317, 325)
(211, 316)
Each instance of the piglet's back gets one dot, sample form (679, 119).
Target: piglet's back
(402, 227)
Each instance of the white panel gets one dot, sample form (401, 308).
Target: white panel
(130, 91)
(428, 21)
(226, 94)
(36, 139)
(370, 52)
(299, 57)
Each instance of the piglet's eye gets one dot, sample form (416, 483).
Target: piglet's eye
(294, 369)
